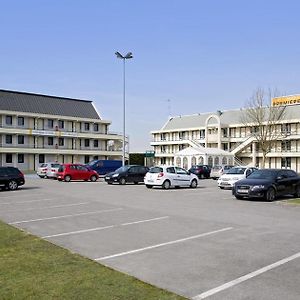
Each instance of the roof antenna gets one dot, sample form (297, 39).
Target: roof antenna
(169, 108)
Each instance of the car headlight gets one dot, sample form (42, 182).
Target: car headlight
(115, 175)
(257, 187)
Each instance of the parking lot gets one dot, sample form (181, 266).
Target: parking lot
(200, 243)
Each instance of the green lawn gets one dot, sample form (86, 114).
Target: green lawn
(31, 268)
(294, 201)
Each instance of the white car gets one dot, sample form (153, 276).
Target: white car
(170, 176)
(233, 175)
(48, 170)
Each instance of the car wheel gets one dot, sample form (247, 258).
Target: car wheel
(297, 192)
(67, 178)
(12, 185)
(122, 181)
(93, 178)
(270, 195)
(194, 184)
(149, 186)
(166, 185)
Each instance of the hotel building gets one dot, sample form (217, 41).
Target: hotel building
(38, 128)
(221, 138)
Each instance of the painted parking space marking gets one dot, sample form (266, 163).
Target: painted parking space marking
(245, 277)
(55, 206)
(104, 227)
(30, 201)
(66, 216)
(164, 244)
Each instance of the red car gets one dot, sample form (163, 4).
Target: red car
(68, 172)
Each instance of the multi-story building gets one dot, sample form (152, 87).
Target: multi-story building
(224, 130)
(38, 128)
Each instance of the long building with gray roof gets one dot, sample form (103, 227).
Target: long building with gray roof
(37, 128)
(226, 130)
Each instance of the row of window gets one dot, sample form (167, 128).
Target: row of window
(50, 139)
(21, 159)
(50, 123)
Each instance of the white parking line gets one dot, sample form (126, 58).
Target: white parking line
(22, 202)
(245, 277)
(56, 206)
(67, 216)
(164, 244)
(101, 228)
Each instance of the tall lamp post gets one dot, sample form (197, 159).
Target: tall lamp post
(127, 56)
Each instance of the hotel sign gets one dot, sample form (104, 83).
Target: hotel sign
(286, 100)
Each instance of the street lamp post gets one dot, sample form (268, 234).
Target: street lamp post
(127, 56)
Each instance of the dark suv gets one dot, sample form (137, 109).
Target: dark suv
(11, 178)
(130, 173)
(202, 171)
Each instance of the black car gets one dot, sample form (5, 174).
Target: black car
(130, 173)
(11, 178)
(202, 171)
(268, 184)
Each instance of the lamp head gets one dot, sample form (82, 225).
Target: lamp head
(119, 55)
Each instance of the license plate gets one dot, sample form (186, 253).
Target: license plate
(242, 191)
(150, 180)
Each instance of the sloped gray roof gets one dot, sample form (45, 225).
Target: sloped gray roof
(226, 117)
(44, 104)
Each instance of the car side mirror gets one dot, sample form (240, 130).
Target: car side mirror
(279, 178)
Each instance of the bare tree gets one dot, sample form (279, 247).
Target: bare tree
(264, 120)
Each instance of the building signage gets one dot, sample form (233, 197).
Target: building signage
(286, 100)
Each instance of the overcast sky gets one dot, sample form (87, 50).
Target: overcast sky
(190, 56)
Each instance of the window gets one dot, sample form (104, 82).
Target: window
(8, 158)
(96, 143)
(286, 162)
(96, 127)
(21, 121)
(41, 158)
(286, 146)
(61, 141)
(87, 126)
(8, 139)
(171, 170)
(86, 159)
(21, 139)
(20, 158)
(50, 140)
(8, 120)
(286, 128)
(180, 171)
(86, 142)
(61, 124)
(50, 123)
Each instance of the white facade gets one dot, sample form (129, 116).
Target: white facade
(225, 131)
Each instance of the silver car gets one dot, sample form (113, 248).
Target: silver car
(48, 170)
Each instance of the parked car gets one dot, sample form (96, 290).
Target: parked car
(48, 170)
(130, 173)
(268, 184)
(102, 166)
(170, 176)
(228, 179)
(11, 178)
(68, 172)
(202, 171)
(218, 171)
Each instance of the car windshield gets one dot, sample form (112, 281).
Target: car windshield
(55, 165)
(155, 170)
(263, 174)
(91, 163)
(122, 169)
(216, 168)
(236, 171)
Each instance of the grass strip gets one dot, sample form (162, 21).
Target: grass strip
(32, 268)
(294, 201)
